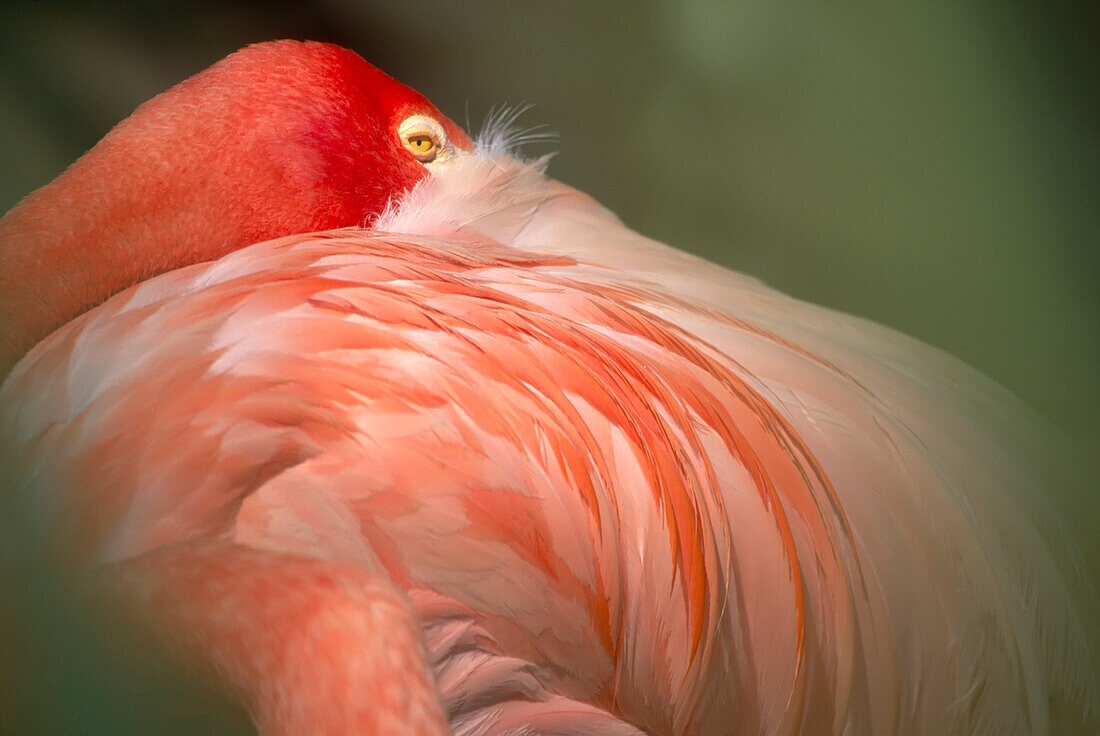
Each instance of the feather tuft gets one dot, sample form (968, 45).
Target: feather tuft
(501, 134)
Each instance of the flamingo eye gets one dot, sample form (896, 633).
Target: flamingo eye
(420, 145)
(425, 139)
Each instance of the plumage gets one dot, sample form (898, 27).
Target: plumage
(500, 462)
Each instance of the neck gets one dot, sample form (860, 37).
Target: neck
(48, 271)
(116, 217)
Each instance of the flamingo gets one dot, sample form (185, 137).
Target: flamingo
(383, 430)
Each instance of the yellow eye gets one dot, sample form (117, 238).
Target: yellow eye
(425, 139)
(421, 146)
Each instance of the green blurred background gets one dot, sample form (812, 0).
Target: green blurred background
(930, 165)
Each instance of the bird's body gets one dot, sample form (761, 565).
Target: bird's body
(506, 465)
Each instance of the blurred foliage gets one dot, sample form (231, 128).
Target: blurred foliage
(931, 166)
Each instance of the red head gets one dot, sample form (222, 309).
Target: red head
(278, 138)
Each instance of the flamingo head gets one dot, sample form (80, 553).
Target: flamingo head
(276, 139)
